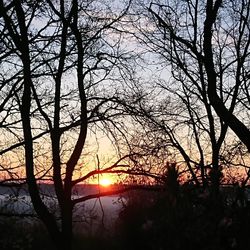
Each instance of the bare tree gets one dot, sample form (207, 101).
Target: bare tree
(216, 34)
(59, 66)
(183, 110)
(234, 34)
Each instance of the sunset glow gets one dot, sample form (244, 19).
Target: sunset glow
(105, 182)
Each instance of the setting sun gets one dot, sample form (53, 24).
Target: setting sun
(105, 182)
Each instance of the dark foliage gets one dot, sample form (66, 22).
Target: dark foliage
(185, 218)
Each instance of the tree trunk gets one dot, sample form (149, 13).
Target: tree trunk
(67, 226)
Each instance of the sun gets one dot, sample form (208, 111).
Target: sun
(105, 182)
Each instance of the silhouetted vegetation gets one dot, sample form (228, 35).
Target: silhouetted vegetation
(188, 218)
(166, 83)
(176, 216)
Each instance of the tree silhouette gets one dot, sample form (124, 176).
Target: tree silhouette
(60, 64)
(203, 48)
